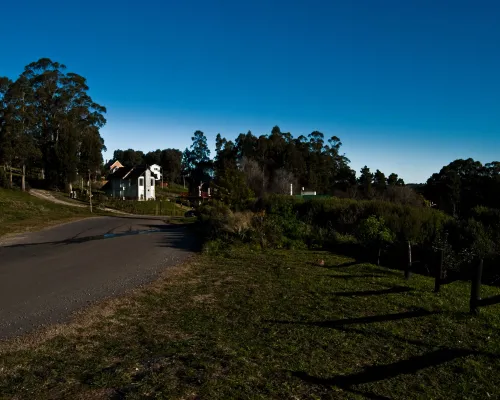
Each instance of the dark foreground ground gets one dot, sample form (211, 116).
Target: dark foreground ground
(46, 276)
(267, 325)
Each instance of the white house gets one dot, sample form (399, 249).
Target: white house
(136, 183)
(156, 169)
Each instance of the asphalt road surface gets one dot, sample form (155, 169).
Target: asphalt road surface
(46, 276)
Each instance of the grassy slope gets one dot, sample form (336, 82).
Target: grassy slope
(148, 207)
(20, 212)
(268, 325)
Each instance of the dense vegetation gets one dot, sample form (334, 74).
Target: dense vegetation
(49, 125)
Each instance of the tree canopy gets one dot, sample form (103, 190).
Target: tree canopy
(49, 121)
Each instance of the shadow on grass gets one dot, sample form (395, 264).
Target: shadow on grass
(362, 320)
(343, 265)
(396, 289)
(375, 373)
(355, 276)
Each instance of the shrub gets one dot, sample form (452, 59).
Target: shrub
(373, 232)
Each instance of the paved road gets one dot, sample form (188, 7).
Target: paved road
(46, 276)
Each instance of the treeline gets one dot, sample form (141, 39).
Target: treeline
(49, 124)
(463, 185)
(252, 166)
(169, 159)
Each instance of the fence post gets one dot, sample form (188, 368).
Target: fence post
(408, 266)
(439, 272)
(475, 288)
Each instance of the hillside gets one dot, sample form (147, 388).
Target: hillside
(21, 212)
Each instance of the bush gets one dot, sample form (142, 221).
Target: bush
(373, 232)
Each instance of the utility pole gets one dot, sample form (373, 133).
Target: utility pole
(90, 193)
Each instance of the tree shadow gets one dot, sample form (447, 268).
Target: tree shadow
(152, 229)
(355, 276)
(375, 373)
(396, 289)
(361, 320)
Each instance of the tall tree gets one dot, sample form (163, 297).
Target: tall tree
(61, 114)
(379, 180)
(171, 160)
(366, 180)
(197, 161)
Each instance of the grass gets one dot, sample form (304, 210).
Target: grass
(256, 325)
(157, 207)
(21, 212)
(173, 188)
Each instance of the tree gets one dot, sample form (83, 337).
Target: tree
(200, 152)
(153, 157)
(196, 161)
(379, 181)
(118, 155)
(132, 158)
(60, 115)
(231, 188)
(171, 160)
(365, 180)
(281, 181)
(17, 146)
(392, 180)
(374, 234)
(461, 185)
(255, 176)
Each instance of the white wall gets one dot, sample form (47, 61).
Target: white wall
(149, 187)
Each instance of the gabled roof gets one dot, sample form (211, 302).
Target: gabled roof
(129, 173)
(121, 173)
(136, 172)
(114, 164)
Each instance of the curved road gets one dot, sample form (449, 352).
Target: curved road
(46, 276)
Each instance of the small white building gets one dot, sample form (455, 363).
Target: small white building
(156, 169)
(135, 183)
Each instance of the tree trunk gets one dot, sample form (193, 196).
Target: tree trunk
(10, 177)
(69, 188)
(23, 179)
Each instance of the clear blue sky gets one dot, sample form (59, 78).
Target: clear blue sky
(408, 86)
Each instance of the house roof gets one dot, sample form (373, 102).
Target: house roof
(136, 172)
(121, 173)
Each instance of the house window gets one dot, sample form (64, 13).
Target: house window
(152, 182)
(141, 181)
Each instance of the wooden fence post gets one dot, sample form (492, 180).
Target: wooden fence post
(439, 272)
(408, 266)
(475, 288)
(23, 179)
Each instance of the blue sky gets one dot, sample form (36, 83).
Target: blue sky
(408, 86)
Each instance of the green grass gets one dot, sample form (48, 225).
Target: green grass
(253, 325)
(21, 212)
(173, 188)
(164, 207)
